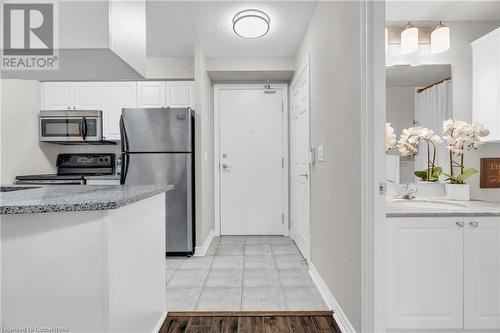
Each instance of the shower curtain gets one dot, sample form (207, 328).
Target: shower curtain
(432, 107)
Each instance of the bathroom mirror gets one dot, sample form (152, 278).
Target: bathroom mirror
(416, 96)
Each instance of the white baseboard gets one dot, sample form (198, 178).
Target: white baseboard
(160, 323)
(339, 316)
(200, 251)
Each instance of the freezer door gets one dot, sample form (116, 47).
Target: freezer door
(156, 130)
(175, 169)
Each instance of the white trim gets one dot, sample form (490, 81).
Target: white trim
(285, 192)
(372, 24)
(160, 322)
(304, 67)
(339, 315)
(200, 251)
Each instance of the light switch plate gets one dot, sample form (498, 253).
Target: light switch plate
(320, 154)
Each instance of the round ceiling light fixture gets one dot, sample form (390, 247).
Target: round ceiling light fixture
(251, 23)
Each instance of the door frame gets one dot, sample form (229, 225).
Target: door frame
(284, 144)
(305, 67)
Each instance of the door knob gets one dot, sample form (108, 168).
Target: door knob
(225, 166)
(474, 224)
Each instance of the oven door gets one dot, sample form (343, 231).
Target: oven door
(70, 129)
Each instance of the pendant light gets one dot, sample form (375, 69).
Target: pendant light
(440, 38)
(409, 39)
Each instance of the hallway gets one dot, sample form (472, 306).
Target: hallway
(243, 273)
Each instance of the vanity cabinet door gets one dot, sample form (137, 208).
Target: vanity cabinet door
(482, 273)
(425, 273)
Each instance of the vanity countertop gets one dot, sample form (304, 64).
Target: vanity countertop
(438, 206)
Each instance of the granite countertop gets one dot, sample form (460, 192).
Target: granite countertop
(67, 198)
(438, 206)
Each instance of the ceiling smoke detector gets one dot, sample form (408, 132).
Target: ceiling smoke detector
(251, 23)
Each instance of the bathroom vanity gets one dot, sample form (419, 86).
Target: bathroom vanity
(442, 266)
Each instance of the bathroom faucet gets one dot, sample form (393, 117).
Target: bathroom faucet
(407, 192)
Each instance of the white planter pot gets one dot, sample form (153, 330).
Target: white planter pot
(458, 192)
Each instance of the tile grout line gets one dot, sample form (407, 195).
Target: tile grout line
(279, 279)
(205, 281)
(243, 273)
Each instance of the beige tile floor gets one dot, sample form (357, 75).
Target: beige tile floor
(243, 273)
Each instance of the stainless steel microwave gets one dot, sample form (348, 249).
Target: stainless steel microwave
(71, 126)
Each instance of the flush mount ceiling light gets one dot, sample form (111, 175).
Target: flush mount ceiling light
(409, 39)
(440, 38)
(251, 23)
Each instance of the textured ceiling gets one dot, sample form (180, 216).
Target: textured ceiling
(174, 27)
(451, 10)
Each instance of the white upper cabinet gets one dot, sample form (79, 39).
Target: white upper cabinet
(57, 96)
(482, 274)
(486, 83)
(425, 273)
(117, 95)
(87, 96)
(71, 96)
(151, 94)
(179, 94)
(157, 94)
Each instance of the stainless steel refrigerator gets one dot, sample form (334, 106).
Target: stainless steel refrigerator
(157, 148)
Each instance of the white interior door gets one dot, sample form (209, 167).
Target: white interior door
(300, 169)
(251, 169)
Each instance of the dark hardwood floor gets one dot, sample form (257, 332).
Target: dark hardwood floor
(250, 322)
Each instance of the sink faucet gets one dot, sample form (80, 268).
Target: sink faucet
(407, 192)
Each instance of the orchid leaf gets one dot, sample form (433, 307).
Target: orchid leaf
(467, 173)
(434, 177)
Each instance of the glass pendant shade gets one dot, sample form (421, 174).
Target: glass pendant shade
(409, 39)
(440, 39)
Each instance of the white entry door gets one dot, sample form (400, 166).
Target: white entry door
(300, 170)
(251, 173)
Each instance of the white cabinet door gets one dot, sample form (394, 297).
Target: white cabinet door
(486, 83)
(57, 95)
(117, 95)
(151, 94)
(482, 273)
(425, 273)
(87, 96)
(179, 94)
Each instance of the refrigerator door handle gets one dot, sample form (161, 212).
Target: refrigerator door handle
(123, 135)
(124, 171)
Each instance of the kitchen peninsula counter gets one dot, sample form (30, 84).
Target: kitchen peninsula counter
(66, 198)
(84, 258)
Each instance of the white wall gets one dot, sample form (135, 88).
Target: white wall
(170, 68)
(21, 151)
(333, 43)
(462, 33)
(204, 148)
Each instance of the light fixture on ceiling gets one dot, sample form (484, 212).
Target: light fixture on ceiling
(440, 38)
(251, 23)
(409, 39)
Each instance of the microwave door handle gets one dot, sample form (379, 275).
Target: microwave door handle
(85, 128)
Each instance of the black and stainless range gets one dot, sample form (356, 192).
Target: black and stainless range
(73, 169)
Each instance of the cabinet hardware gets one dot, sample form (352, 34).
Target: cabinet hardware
(474, 224)
(460, 224)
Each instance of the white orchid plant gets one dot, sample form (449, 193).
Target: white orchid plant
(390, 137)
(408, 147)
(461, 136)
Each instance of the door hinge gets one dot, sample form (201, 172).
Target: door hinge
(282, 107)
(282, 218)
(282, 162)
